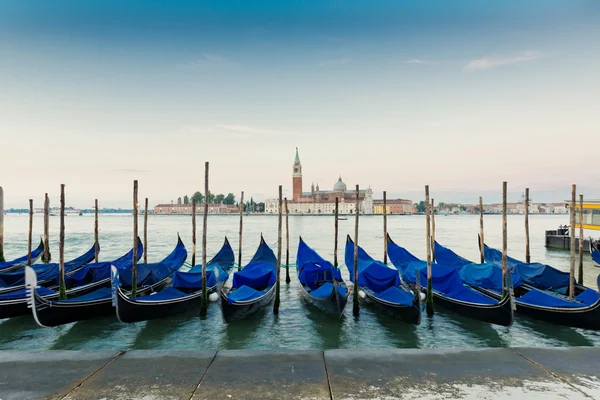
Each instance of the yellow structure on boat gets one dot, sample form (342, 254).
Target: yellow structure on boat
(591, 214)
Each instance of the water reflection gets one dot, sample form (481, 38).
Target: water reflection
(557, 335)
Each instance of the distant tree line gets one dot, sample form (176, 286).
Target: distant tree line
(249, 206)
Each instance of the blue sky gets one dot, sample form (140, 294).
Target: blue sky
(393, 94)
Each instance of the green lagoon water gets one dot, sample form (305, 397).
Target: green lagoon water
(297, 326)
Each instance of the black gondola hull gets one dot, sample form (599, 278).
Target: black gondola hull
(408, 314)
(333, 305)
(51, 313)
(18, 307)
(499, 314)
(130, 311)
(239, 310)
(583, 317)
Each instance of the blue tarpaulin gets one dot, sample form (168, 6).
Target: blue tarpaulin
(445, 280)
(217, 270)
(380, 280)
(315, 272)
(538, 275)
(23, 260)
(256, 278)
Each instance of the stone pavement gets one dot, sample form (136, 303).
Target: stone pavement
(495, 373)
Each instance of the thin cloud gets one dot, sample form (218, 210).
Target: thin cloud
(494, 62)
(247, 130)
(128, 170)
(417, 61)
(209, 60)
(342, 61)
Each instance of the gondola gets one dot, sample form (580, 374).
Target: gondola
(595, 254)
(448, 289)
(13, 300)
(184, 293)
(545, 305)
(321, 283)
(252, 288)
(19, 263)
(382, 286)
(150, 277)
(47, 273)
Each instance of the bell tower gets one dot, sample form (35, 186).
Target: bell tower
(297, 178)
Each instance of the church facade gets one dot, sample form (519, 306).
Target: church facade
(320, 202)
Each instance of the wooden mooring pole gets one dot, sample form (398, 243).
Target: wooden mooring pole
(504, 241)
(572, 237)
(429, 299)
(193, 232)
(146, 231)
(241, 228)
(277, 284)
(432, 230)
(96, 243)
(2, 225)
(385, 255)
(135, 240)
(287, 243)
(481, 238)
(62, 290)
(580, 274)
(47, 256)
(527, 253)
(356, 307)
(29, 236)
(204, 303)
(335, 239)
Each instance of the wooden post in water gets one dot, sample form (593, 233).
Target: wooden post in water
(527, 253)
(96, 243)
(62, 290)
(580, 274)
(193, 232)
(572, 233)
(432, 230)
(135, 240)
(2, 225)
(356, 307)
(241, 228)
(204, 303)
(146, 231)
(429, 299)
(277, 285)
(481, 239)
(504, 241)
(384, 227)
(287, 243)
(335, 239)
(29, 236)
(46, 257)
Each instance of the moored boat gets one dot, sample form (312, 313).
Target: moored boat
(595, 252)
(449, 291)
(382, 286)
(542, 304)
(184, 293)
(150, 277)
(320, 281)
(47, 273)
(252, 288)
(20, 262)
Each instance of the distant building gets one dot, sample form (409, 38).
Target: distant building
(186, 209)
(393, 206)
(318, 201)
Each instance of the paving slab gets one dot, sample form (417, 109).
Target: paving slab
(147, 374)
(579, 366)
(265, 375)
(46, 374)
(441, 374)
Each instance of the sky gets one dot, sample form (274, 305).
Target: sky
(394, 95)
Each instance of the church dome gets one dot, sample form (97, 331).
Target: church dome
(339, 185)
